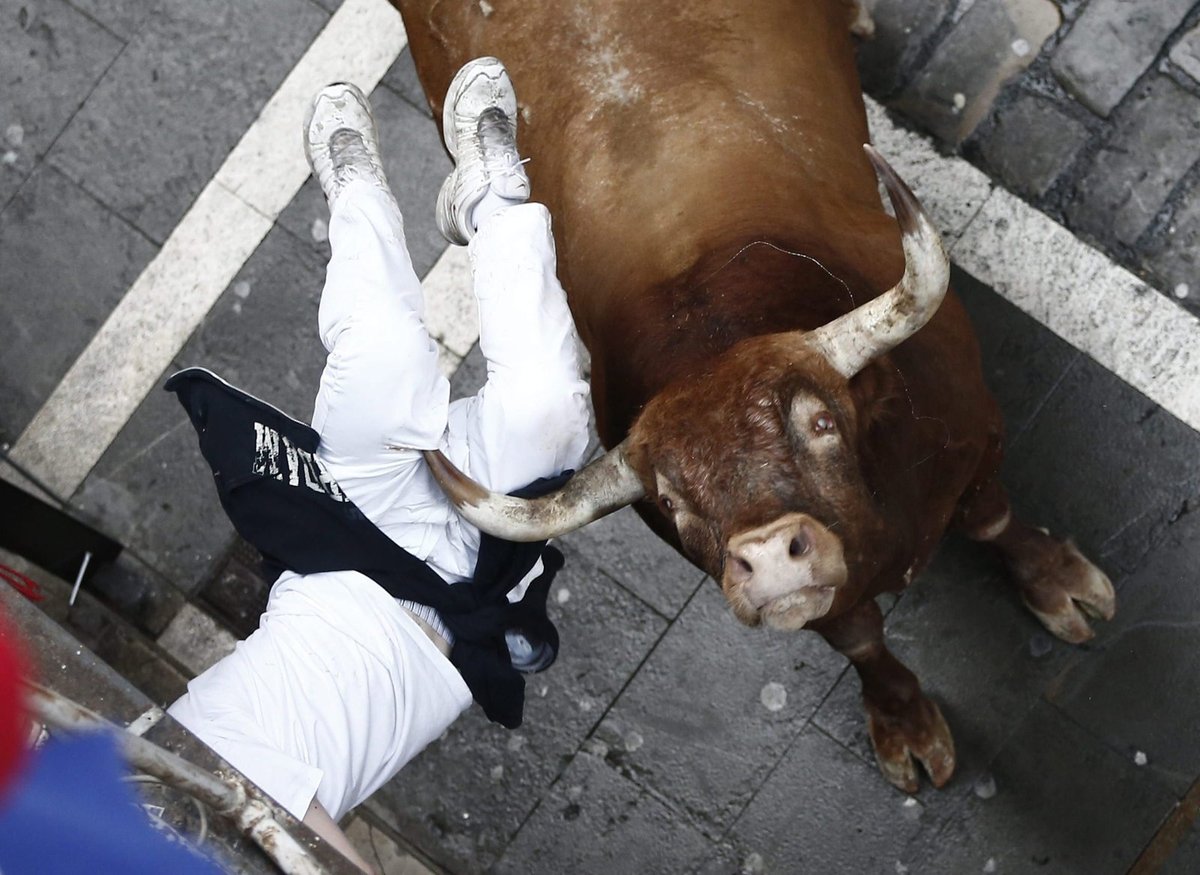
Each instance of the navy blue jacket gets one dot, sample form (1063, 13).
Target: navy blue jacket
(299, 519)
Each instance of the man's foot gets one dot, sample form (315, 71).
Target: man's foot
(341, 141)
(479, 124)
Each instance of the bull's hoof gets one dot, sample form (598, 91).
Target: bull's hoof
(1063, 589)
(917, 733)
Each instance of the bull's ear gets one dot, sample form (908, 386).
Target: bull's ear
(866, 332)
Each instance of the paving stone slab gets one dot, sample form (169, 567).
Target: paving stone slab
(240, 52)
(1031, 144)
(236, 596)
(1105, 466)
(153, 492)
(713, 709)
(65, 263)
(1153, 147)
(195, 641)
(902, 28)
(152, 489)
(402, 78)
(1022, 361)
(1140, 691)
(51, 56)
(594, 822)
(623, 546)
(1063, 802)
(465, 796)
(1111, 44)
(824, 810)
(993, 42)
(415, 162)
(960, 628)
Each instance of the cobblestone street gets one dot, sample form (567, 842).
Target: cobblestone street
(1056, 143)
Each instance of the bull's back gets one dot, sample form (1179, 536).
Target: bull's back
(655, 128)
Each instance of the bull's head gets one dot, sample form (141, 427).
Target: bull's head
(760, 479)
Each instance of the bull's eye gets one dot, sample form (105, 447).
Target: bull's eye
(823, 423)
(664, 501)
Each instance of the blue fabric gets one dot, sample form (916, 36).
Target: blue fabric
(70, 812)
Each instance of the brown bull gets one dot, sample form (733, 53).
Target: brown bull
(752, 314)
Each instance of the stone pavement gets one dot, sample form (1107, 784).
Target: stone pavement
(1090, 109)
(668, 738)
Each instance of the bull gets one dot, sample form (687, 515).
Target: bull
(789, 393)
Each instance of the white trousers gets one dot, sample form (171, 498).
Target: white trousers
(339, 687)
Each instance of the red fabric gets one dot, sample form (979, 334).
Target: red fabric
(14, 722)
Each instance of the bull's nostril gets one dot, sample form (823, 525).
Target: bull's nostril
(798, 547)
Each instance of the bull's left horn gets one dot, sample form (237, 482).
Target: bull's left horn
(867, 332)
(606, 485)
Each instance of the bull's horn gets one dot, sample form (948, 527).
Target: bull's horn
(607, 484)
(869, 331)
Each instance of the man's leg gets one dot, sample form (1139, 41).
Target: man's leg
(530, 419)
(382, 397)
(381, 388)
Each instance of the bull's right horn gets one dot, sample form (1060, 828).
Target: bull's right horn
(867, 332)
(607, 484)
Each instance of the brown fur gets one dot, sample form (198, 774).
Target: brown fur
(703, 163)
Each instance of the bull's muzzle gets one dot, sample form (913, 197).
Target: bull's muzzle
(785, 573)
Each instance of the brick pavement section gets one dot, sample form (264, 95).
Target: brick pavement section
(1111, 45)
(901, 29)
(1154, 145)
(1032, 143)
(1175, 255)
(994, 41)
(1186, 53)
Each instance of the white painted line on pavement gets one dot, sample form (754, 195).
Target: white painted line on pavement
(210, 244)
(1077, 292)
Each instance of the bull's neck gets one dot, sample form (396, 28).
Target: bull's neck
(654, 331)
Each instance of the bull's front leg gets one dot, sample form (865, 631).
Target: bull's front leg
(1058, 583)
(905, 726)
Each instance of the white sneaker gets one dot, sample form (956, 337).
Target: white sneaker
(479, 125)
(341, 141)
